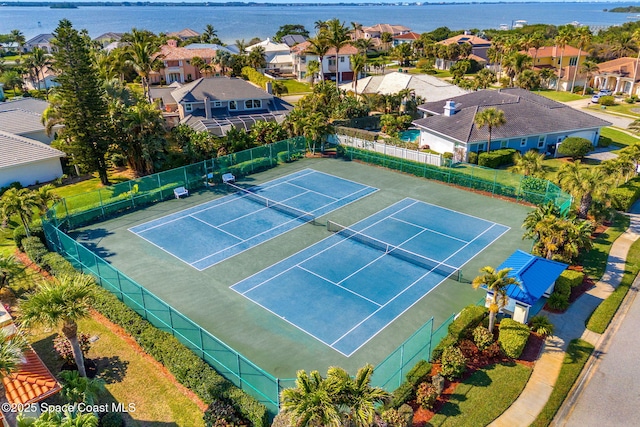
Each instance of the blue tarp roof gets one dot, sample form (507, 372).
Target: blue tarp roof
(536, 275)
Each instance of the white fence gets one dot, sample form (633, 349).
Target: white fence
(390, 150)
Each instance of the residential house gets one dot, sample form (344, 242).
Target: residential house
(423, 86)
(619, 75)
(108, 38)
(550, 57)
(184, 34)
(293, 39)
(27, 161)
(43, 41)
(9, 47)
(409, 37)
(45, 79)
(479, 47)
(537, 277)
(219, 103)
(376, 31)
(24, 123)
(277, 56)
(532, 123)
(177, 64)
(33, 105)
(301, 57)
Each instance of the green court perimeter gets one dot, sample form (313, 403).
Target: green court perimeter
(274, 345)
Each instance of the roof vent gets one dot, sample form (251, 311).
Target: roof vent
(450, 108)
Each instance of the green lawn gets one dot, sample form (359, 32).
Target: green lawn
(559, 95)
(618, 137)
(620, 108)
(595, 261)
(602, 315)
(574, 360)
(483, 396)
(294, 87)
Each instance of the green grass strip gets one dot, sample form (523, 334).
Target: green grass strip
(618, 137)
(595, 261)
(560, 96)
(483, 396)
(602, 315)
(574, 360)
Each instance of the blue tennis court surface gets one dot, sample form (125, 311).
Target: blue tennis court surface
(209, 233)
(343, 291)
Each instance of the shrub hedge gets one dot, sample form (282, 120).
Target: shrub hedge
(625, 195)
(255, 77)
(496, 158)
(513, 337)
(570, 279)
(402, 395)
(34, 247)
(190, 370)
(419, 373)
(470, 317)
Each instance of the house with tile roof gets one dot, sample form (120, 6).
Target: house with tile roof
(184, 34)
(479, 48)
(27, 161)
(424, 86)
(619, 75)
(533, 122)
(375, 31)
(43, 41)
(301, 57)
(409, 37)
(178, 66)
(564, 61)
(108, 38)
(219, 103)
(537, 277)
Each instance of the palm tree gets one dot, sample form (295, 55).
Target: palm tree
(319, 46)
(355, 395)
(583, 36)
(337, 36)
(209, 35)
(313, 68)
(310, 403)
(537, 215)
(528, 164)
(636, 38)
(18, 37)
(142, 54)
(39, 60)
(491, 118)
(562, 39)
(386, 39)
(79, 389)
(9, 269)
(356, 28)
(63, 303)
(496, 282)
(320, 25)
(583, 183)
(589, 68)
(11, 350)
(358, 62)
(257, 58)
(241, 45)
(363, 45)
(19, 202)
(44, 196)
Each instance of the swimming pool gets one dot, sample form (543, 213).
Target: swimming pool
(410, 135)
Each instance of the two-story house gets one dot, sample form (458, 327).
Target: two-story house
(177, 64)
(409, 37)
(277, 56)
(619, 75)
(376, 31)
(216, 104)
(564, 61)
(301, 57)
(479, 47)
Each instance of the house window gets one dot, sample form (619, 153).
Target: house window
(303, 59)
(332, 62)
(233, 105)
(573, 61)
(523, 142)
(503, 144)
(480, 147)
(217, 103)
(252, 104)
(541, 140)
(188, 107)
(342, 59)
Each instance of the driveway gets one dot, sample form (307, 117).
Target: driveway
(617, 121)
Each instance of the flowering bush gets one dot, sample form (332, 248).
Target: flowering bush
(62, 346)
(482, 337)
(453, 363)
(426, 395)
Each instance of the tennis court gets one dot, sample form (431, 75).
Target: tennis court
(348, 287)
(206, 234)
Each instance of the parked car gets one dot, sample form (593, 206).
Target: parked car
(605, 92)
(596, 98)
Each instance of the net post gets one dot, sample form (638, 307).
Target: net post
(186, 180)
(101, 204)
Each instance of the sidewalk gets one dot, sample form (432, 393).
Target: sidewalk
(569, 325)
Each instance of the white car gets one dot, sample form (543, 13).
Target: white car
(605, 92)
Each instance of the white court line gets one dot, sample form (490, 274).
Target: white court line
(216, 228)
(419, 299)
(340, 286)
(307, 190)
(430, 230)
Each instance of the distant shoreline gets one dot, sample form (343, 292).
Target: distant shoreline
(76, 4)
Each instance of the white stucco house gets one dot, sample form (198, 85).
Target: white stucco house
(27, 161)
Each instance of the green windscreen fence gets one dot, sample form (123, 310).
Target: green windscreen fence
(495, 182)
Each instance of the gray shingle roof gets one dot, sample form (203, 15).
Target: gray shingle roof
(526, 114)
(20, 121)
(16, 150)
(218, 89)
(33, 105)
(40, 38)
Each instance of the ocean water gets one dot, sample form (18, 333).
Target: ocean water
(233, 23)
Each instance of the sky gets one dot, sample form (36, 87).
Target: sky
(346, 1)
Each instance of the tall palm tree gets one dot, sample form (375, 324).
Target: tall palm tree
(356, 29)
(491, 118)
(528, 164)
(386, 39)
(320, 25)
(313, 68)
(583, 38)
(355, 396)
(209, 35)
(319, 46)
(537, 215)
(44, 196)
(9, 269)
(18, 37)
(143, 54)
(20, 202)
(636, 38)
(589, 68)
(363, 45)
(562, 39)
(241, 45)
(583, 183)
(39, 60)
(496, 282)
(257, 57)
(310, 403)
(63, 303)
(358, 62)
(337, 36)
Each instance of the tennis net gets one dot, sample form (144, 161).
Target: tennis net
(280, 207)
(421, 261)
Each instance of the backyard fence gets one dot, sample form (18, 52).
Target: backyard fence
(495, 182)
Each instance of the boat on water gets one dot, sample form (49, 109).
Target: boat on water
(519, 23)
